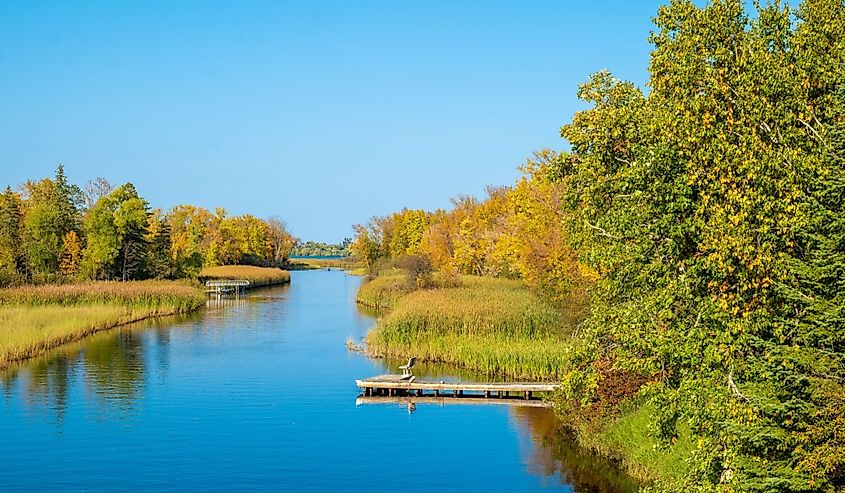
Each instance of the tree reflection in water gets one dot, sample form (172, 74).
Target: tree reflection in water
(550, 451)
(110, 365)
(114, 369)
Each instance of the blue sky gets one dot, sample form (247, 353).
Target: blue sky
(323, 113)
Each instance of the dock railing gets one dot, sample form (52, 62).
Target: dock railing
(224, 287)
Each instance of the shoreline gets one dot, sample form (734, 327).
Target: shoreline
(415, 329)
(37, 319)
(43, 347)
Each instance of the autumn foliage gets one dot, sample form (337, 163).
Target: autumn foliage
(52, 230)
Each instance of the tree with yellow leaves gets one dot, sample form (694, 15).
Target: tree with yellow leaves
(71, 255)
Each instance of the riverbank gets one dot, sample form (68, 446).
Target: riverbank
(316, 263)
(35, 319)
(499, 327)
(257, 276)
(493, 326)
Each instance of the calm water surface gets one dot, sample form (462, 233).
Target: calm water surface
(260, 396)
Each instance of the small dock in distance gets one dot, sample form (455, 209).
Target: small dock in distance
(387, 388)
(226, 287)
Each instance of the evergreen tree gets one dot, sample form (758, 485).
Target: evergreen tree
(159, 261)
(810, 374)
(11, 226)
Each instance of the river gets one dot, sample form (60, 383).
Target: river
(260, 396)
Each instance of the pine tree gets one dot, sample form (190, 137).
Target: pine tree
(159, 262)
(133, 253)
(819, 300)
(11, 226)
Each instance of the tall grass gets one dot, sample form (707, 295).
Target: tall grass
(34, 319)
(27, 331)
(383, 292)
(175, 296)
(257, 276)
(493, 326)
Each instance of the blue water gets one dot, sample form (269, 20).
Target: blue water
(260, 396)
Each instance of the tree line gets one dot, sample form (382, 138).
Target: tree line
(514, 232)
(52, 231)
(706, 216)
(319, 249)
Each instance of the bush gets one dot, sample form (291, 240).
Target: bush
(418, 271)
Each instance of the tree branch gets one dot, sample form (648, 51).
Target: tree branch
(810, 128)
(602, 231)
(735, 390)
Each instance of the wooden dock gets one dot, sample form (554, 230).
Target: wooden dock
(399, 386)
(226, 287)
(466, 399)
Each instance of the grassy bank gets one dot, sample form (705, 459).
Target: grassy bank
(383, 292)
(315, 263)
(493, 326)
(498, 327)
(257, 276)
(631, 440)
(35, 319)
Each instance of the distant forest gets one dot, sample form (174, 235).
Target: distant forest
(317, 249)
(55, 231)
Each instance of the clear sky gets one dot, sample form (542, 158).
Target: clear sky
(323, 113)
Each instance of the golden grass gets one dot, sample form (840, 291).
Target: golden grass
(149, 294)
(34, 319)
(257, 276)
(27, 331)
(494, 326)
(383, 292)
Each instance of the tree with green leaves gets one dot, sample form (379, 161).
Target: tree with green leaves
(115, 228)
(692, 204)
(51, 211)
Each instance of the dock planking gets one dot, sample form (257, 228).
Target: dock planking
(398, 386)
(442, 401)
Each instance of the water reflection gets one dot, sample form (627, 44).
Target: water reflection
(549, 451)
(256, 389)
(110, 365)
(547, 448)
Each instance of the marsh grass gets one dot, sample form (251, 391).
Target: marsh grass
(149, 294)
(384, 291)
(27, 331)
(34, 319)
(493, 326)
(257, 276)
(314, 263)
